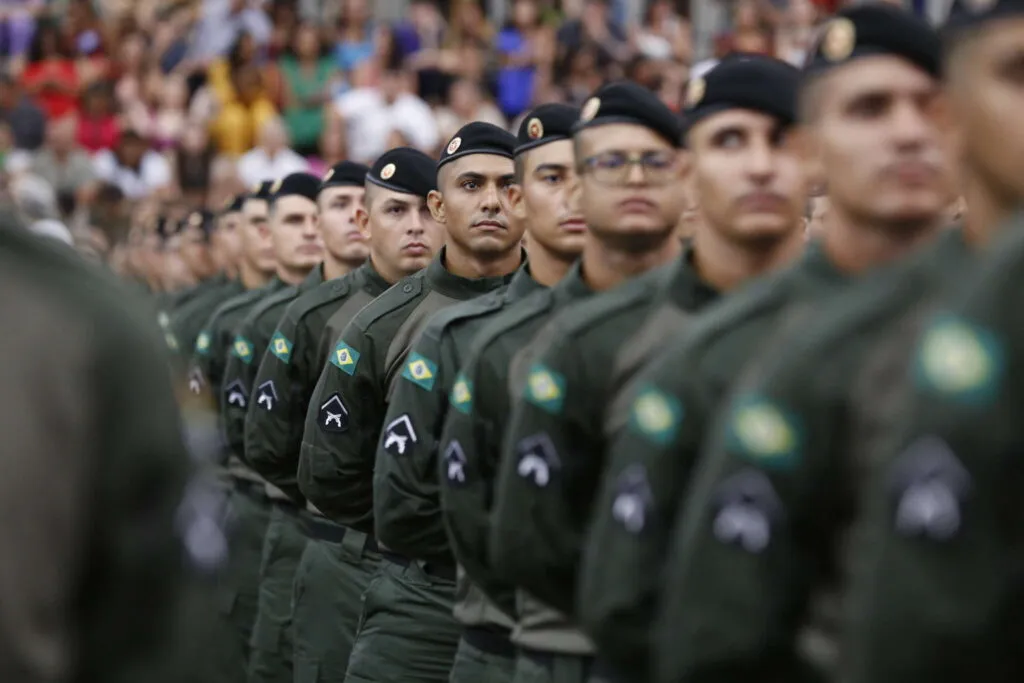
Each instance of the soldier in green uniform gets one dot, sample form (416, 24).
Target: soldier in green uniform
(95, 471)
(938, 598)
(591, 349)
(249, 510)
(185, 322)
(298, 248)
(348, 407)
(406, 489)
(888, 186)
(333, 571)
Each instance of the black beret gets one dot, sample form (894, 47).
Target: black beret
(261, 190)
(547, 123)
(966, 14)
(875, 29)
(200, 220)
(744, 81)
(303, 184)
(405, 170)
(165, 227)
(233, 204)
(345, 174)
(628, 102)
(478, 138)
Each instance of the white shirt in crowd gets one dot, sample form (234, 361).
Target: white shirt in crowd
(153, 174)
(371, 120)
(256, 165)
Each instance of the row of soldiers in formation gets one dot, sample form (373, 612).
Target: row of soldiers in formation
(488, 419)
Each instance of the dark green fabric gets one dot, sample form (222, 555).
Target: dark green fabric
(553, 669)
(473, 665)
(476, 426)
(270, 660)
(239, 589)
(328, 599)
(540, 517)
(187, 322)
(406, 633)
(291, 365)
(650, 457)
(336, 462)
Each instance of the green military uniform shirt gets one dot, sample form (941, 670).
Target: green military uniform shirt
(186, 322)
(252, 337)
(346, 412)
(94, 473)
(214, 342)
(289, 371)
(779, 468)
(406, 497)
(940, 517)
(471, 439)
(650, 456)
(554, 446)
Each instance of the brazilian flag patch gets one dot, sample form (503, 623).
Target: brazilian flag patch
(462, 394)
(345, 358)
(656, 415)
(203, 343)
(421, 371)
(545, 389)
(242, 349)
(281, 347)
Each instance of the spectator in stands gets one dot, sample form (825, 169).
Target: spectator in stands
(133, 167)
(523, 46)
(171, 115)
(50, 75)
(98, 126)
(466, 103)
(596, 32)
(355, 37)
(664, 35)
(65, 165)
(191, 163)
(272, 158)
(307, 78)
(240, 118)
(24, 117)
(18, 25)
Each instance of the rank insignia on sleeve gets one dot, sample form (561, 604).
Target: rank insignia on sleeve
(242, 349)
(196, 380)
(462, 394)
(760, 430)
(235, 394)
(745, 507)
(959, 360)
(929, 488)
(345, 358)
(399, 436)
(203, 342)
(545, 389)
(656, 415)
(281, 347)
(266, 395)
(455, 463)
(333, 417)
(172, 341)
(633, 498)
(163, 319)
(537, 459)
(421, 371)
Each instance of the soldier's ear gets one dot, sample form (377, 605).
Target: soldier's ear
(363, 220)
(435, 202)
(517, 206)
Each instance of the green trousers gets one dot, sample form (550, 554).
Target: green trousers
(407, 633)
(327, 603)
(238, 589)
(473, 665)
(554, 668)
(270, 660)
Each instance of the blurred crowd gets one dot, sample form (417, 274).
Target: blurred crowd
(120, 117)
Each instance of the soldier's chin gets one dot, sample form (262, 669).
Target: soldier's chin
(411, 264)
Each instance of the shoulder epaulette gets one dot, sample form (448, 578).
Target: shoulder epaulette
(398, 295)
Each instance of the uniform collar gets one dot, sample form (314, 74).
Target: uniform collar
(443, 281)
(372, 277)
(572, 286)
(816, 265)
(686, 289)
(522, 285)
(315, 278)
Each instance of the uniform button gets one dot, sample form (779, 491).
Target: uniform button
(407, 288)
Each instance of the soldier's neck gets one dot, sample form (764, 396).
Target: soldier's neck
(292, 276)
(251, 276)
(855, 246)
(335, 268)
(546, 267)
(605, 266)
(986, 214)
(462, 263)
(725, 264)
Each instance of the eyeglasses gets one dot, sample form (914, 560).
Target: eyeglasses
(613, 168)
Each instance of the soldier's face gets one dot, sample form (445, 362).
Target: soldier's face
(473, 204)
(986, 97)
(295, 233)
(545, 199)
(877, 143)
(403, 236)
(226, 240)
(196, 253)
(747, 175)
(256, 245)
(341, 234)
(621, 201)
